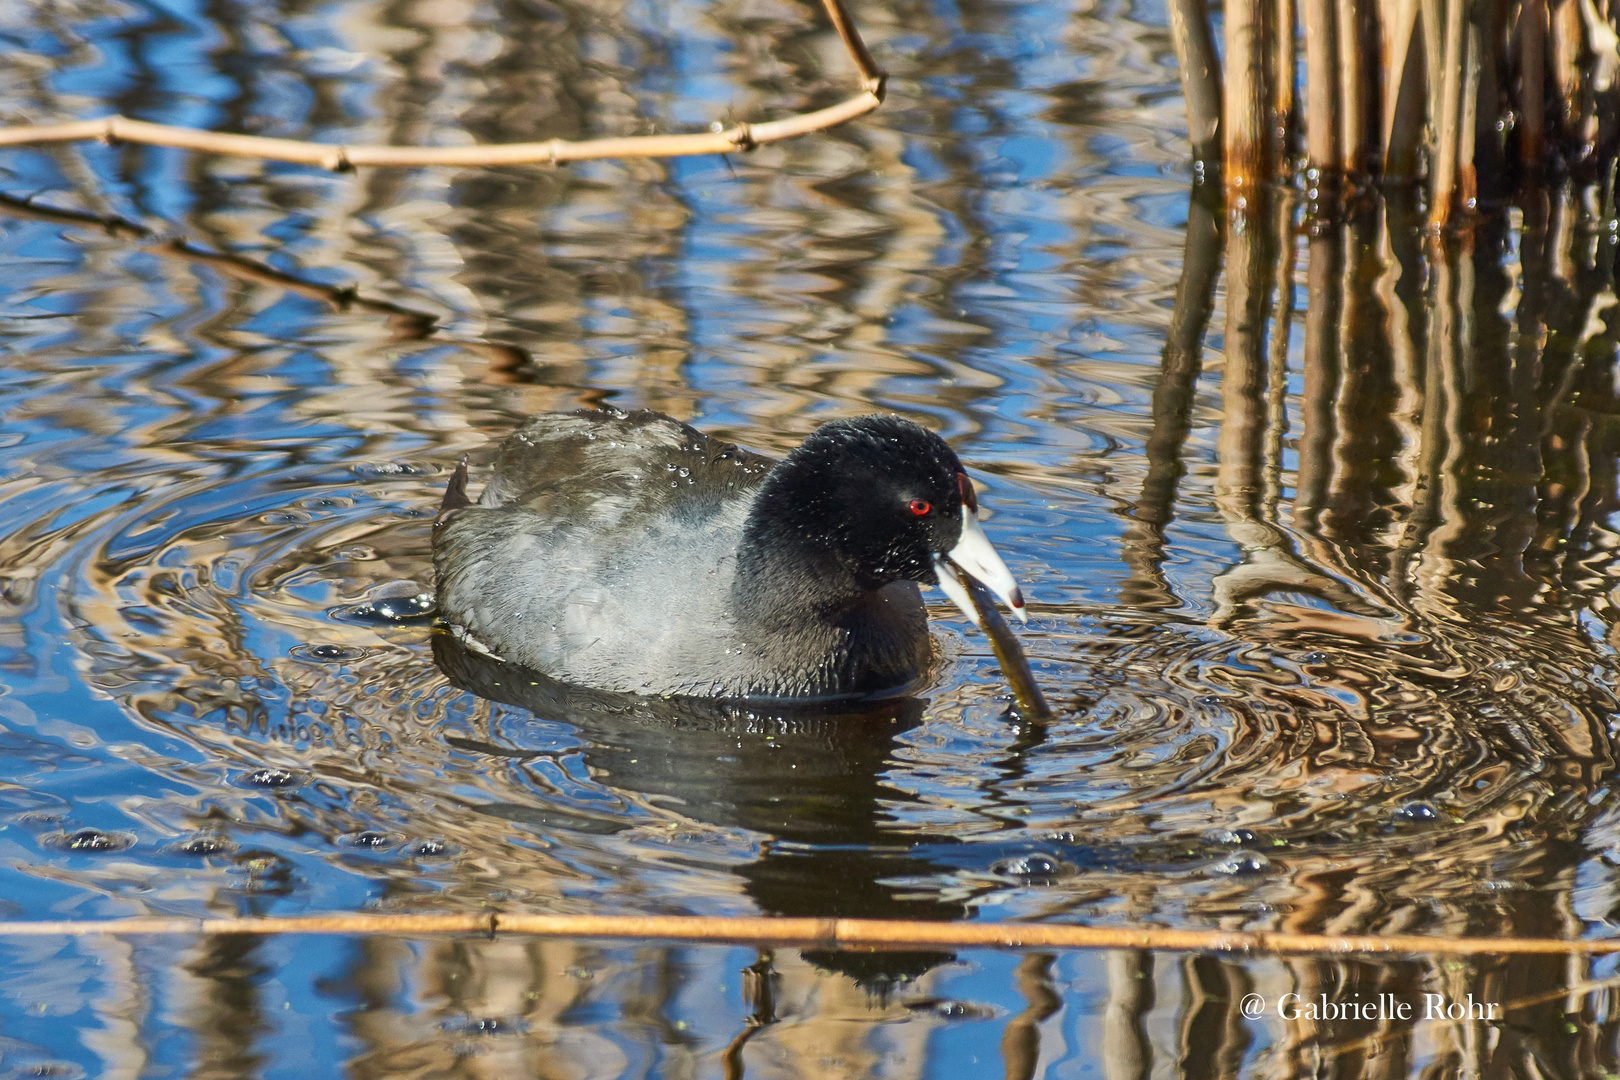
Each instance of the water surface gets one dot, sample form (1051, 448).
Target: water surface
(1317, 520)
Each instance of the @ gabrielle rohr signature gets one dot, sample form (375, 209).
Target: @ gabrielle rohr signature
(1379, 1007)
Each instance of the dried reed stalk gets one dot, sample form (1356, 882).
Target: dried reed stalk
(1321, 89)
(1447, 135)
(1432, 21)
(1246, 142)
(825, 933)
(550, 152)
(1532, 76)
(1466, 194)
(1369, 105)
(1403, 104)
(1352, 89)
(1200, 68)
(1284, 56)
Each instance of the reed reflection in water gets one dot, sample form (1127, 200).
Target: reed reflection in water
(1443, 570)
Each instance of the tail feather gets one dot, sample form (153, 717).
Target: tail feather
(455, 495)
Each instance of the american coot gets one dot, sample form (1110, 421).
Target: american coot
(630, 552)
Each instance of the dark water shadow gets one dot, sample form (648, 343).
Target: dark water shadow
(810, 779)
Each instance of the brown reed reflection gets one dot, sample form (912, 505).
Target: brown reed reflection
(224, 999)
(1143, 543)
(1446, 564)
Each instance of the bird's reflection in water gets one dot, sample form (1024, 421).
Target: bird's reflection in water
(811, 778)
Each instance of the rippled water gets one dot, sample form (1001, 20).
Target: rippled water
(1320, 546)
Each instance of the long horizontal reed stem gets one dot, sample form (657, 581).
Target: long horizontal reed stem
(824, 933)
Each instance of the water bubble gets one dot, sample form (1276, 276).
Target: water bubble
(368, 838)
(1032, 868)
(483, 1025)
(272, 778)
(1403, 637)
(950, 1009)
(1240, 864)
(1234, 837)
(40, 818)
(328, 653)
(355, 553)
(1417, 813)
(44, 1070)
(387, 610)
(206, 844)
(391, 468)
(92, 840)
(261, 862)
(428, 849)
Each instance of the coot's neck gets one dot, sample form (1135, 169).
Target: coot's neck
(789, 566)
(810, 596)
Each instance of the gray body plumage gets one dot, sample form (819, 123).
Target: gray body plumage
(605, 552)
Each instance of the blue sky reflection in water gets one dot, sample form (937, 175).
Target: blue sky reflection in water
(1320, 549)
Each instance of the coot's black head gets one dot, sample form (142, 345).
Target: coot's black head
(869, 501)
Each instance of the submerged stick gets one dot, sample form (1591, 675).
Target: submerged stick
(1004, 643)
(409, 323)
(827, 933)
(114, 129)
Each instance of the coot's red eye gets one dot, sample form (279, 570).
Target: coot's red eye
(920, 507)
